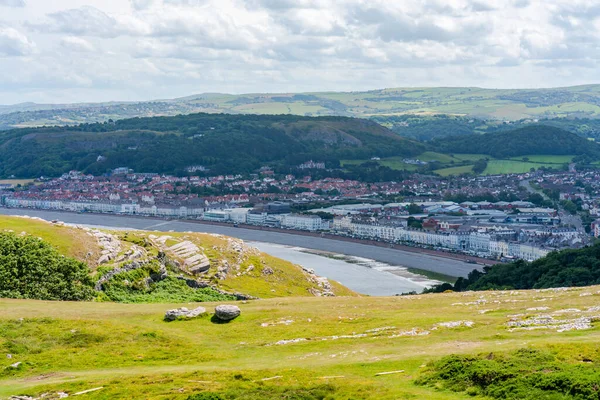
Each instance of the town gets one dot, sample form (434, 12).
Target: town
(503, 217)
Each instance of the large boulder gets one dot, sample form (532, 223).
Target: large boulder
(227, 312)
(184, 313)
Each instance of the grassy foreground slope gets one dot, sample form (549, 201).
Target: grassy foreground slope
(292, 348)
(68, 241)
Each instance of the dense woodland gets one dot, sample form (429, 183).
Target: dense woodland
(570, 267)
(535, 139)
(222, 143)
(427, 128)
(240, 144)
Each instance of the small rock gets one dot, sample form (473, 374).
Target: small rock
(227, 312)
(183, 313)
(267, 271)
(9, 356)
(16, 365)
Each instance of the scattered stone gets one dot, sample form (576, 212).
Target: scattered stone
(183, 313)
(281, 322)
(89, 390)
(9, 356)
(389, 372)
(454, 324)
(548, 322)
(282, 342)
(227, 312)
(267, 271)
(538, 309)
(271, 378)
(567, 311)
(412, 332)
(16, 365)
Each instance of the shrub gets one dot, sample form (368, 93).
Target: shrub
(32, 269)
(524, 374)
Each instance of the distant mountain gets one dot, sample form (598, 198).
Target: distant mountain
(502, 104)
(530, 140)
(223, 143)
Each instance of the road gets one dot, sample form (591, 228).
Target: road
(410, 259)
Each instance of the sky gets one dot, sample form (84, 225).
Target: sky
(64, 51)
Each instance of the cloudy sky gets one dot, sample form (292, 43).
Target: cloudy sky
(100, 50)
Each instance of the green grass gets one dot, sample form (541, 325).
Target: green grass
(68, 241)
(546, 159)
(396, 163)
(496, 167)
(132, 353)
(433, 156)
(472, 157)
(464, 169)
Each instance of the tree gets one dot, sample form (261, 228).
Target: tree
(480, 166)
(569, 206)
(414, 209)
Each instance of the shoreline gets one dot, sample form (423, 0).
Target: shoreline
(450, 264)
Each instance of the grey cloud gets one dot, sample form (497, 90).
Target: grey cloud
(521, 3)
(12, 3)
(84, 21)
(479, 6)
(142, 4)
(404, 28)
(282, 5)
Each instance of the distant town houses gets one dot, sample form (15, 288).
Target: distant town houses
(429, 211)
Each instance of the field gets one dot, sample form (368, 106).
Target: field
(15, 181)
(291, 348)
(465, 169)
(496, 167)
(514, 165)
(472, 157)
(546, 159)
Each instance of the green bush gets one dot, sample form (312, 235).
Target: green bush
(32, 269)
(524, 374)
(132, 287)
(205, 396)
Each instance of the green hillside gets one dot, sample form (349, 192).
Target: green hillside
(308, 348)
(225, 144)
(531, 140)
(143, 267)
(502, 104)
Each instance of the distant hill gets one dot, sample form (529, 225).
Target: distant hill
(501, 104)
(225, 144)
(530, 140)
(430, 127)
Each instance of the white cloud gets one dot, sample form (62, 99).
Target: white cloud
(76, 44)
(165, 48)
(14, 43)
